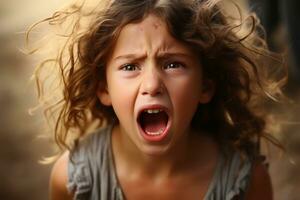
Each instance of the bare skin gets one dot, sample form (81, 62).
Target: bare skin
(187, 177)
(58, 179)
(260, 185)
(259, 188)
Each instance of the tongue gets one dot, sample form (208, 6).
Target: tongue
(153, 123)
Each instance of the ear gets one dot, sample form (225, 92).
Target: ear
(208, 91)
(103, 95)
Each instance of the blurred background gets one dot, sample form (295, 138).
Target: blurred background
(22, 137)
(22, 141)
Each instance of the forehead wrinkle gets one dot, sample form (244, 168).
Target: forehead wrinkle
(147, 45)
(159, 27)
(172, 47)
(164, 50)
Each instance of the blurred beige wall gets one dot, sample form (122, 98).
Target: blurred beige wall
(22, 177)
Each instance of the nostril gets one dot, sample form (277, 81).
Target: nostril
(153, 91)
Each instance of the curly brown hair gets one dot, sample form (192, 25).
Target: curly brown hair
(232, 51)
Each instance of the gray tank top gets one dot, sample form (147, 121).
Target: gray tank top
(91, 172)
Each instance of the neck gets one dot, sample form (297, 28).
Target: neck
(183, 156)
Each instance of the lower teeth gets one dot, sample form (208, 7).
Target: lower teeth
(155, 133)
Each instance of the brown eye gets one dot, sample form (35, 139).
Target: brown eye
(129, 67)
(173, 65)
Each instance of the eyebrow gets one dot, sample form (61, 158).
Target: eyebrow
(128, 56)
(163, 55)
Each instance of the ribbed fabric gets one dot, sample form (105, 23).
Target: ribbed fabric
(91, 172)
(231, 179)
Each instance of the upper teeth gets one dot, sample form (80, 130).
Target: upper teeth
(151, 111)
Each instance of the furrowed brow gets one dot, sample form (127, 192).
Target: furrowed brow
(129, 57)
(160, 56)
(173, 54)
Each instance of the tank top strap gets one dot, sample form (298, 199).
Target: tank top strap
(90, 169)
(231, 178)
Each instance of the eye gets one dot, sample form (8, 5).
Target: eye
(173, 65)
(129, 67)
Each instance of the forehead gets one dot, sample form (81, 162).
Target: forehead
(150, 36)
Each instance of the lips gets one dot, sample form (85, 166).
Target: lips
(154, 122)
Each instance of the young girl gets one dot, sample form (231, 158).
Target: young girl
(177, 90)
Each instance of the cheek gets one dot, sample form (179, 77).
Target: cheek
(122, 96)
(185, 96)
(187, 90)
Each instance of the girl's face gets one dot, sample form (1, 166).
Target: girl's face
(154, 84)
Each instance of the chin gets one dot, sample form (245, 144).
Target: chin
(154, 151)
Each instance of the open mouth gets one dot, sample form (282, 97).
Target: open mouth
(154, 123)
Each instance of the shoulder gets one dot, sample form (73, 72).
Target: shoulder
(59, 179)
(260, 186)
(73, 171)
(93, 145)
(94, 142)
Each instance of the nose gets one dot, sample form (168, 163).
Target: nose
(152, 83)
